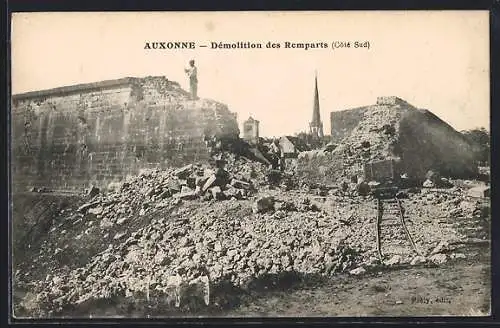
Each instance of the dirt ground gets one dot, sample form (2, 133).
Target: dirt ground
(454, 289)
(458, 288)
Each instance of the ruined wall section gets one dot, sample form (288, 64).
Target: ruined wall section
(391, 129)
(426, 142)
(362, 134)
(214, 118)
(344, 121)
(373, 138)
(68, 138)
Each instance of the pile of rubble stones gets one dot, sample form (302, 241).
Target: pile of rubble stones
(373, 139)
(231, 242)
(234, 237)
(185, 183)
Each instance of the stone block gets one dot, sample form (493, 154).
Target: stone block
(481, 191)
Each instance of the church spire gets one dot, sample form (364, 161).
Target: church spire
(316, 126)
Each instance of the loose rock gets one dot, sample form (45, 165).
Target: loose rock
(263, 204)
(438, 258)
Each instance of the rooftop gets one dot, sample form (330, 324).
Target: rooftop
(251, 120)
(82, 87)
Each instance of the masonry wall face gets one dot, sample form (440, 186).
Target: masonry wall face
(422, 141)
(343, 122)
(428, 143)
(96, 136)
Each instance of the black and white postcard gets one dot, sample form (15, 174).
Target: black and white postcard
(250, 164)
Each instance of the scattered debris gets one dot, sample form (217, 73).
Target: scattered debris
(438, 258)
(396, 259)
(363, 188)
(480, 191)
(92, 192)
(263, 204)
(233, 224)
(357, 271)
(85, 207)
(418, 260)
(428, 184)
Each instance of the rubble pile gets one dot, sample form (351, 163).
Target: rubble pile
(246, 170)
(416, 139)
(130, 204)
(374, 139)
(227, 225)
(240, 241)
(189, 182)
(322, 168)
(155, 89)
(228, 240)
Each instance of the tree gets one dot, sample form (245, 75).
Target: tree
(479, 138)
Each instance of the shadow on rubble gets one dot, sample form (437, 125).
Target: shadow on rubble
(224, 297)
(283, 281)
(33, 215)
(242, 148)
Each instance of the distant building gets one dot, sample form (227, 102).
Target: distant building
(292, 146)
(251, 130)
(316, 126)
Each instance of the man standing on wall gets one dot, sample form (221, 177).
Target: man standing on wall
(192, 73)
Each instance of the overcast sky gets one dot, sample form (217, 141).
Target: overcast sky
(433, 60)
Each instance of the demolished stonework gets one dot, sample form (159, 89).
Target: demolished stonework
(129, 242)
(391, 129)
(235, 223)
(71, 137)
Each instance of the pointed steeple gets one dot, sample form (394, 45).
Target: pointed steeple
(316, 116)
(316, 126)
